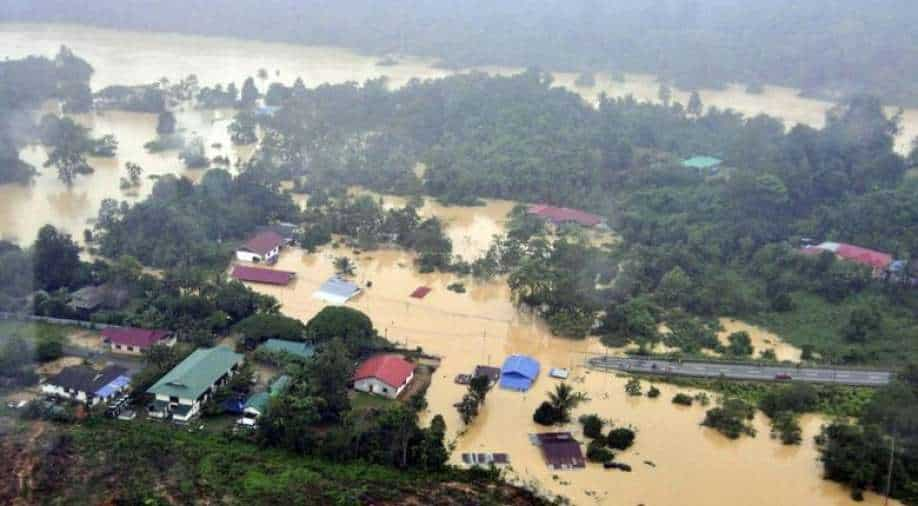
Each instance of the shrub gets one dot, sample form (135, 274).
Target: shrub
(597, 452)
(731, 418)
(654, 392)
(633, 387)
(592, 426)
(621, 438)
(682, 399)
(545, 414)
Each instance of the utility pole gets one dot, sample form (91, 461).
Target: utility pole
(892, 453)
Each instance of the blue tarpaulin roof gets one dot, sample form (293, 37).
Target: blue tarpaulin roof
(519, 372)
(233, 405)
(115, 386)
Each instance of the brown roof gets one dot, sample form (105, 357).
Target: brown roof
(142, 338)
(561, 450)
(257, 275)
(263, 242)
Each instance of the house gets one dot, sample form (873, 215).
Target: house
(385, 375)
(519, 372)
(286, 230)
(262, 247)
(877, 261)
(703, 163)
(560, 450)
(257, 404)
(295, 348)
(561, 215)
(181, 392)
(336, 291)
(132, 341)
(259, 275)
(89, 299)
(87, 385)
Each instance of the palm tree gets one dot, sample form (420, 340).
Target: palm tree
(344, 266)
(564, 399)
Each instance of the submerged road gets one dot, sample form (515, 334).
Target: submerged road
(748, 372)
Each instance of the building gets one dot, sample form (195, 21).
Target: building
(493, 373)
(259, 275)
(262, 247)
(385, 375)
(336, 291)
(89, 299)
(132, 341)
(877, 261)
(286, 230)
(560, 450)
(87, 385)
(294, 348)
(703, 163)
(562, 215)
(257, 404)
(519, 372)
(181, 392)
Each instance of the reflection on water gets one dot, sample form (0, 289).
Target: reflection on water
(694, 465)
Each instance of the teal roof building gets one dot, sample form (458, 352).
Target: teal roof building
(195, 375)
(296, 348)
(702, 163)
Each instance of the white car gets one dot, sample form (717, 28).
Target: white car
(559, 373)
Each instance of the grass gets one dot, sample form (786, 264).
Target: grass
(817, 322)
(31, 330)
(363, 401)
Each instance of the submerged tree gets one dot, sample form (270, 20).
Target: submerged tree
(564, 399)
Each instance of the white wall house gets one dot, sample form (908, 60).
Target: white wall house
(87, 385)
(264, 247)
(384, 375)
(181, 392)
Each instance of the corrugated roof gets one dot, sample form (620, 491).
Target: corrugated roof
(852, 253)
(197, 373)
(129, 336)
(258, 402)
(390, 369)
(561, 450)
(299, 349)
(263, 242)
(86, 379)
(560, 215)
(519, 372)
(702, 162)
(260, 275)
(336, 290)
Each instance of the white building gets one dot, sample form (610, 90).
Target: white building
(181, 392)
(87, 385)
(261, 248)
(384, 375)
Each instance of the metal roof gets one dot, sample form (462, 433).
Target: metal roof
(702, 162)
(519, 372)
(336, 291)
(263, 242)
(194, 375)
(260, 275)
(297, 348)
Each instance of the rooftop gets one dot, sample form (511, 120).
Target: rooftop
(560, 215)
(390, 369)
(297, 348)
(86, 379)
(561, 450)
(127, 336)
(336, 290)
(260, 275)
(702, 162)
(194, 375)
(263, 242)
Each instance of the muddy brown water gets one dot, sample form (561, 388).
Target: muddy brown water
(694, 465)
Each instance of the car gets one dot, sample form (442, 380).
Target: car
(782, 377)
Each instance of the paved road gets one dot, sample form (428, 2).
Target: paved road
(742, 372)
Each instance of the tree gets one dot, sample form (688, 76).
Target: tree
(344, 266)
(675, 288)
(242, 129)
(597, 452)
(56, 259)
(134, 172)
(653, 392)
(740, 344)
(434, 454)
(633, 387)
(862, 322)
(682, 399)
(694, 106)
(328, 375)
(258, 328)
(621, 438)
(665, 93)
(468, 408)
(165, 123)
(479, 386)
(194, 154)
(351, 325)
(545, 414)
(592, 426)
(564, 399)
(49, 347)
(249, 93)
(731, 418)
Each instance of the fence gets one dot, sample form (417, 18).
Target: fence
(54, 321)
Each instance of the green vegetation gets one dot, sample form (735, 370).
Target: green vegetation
(152, 463)
(592, 425)
(471, 402)
(561, 401)
(731, 418)
(682, 399)
(621, 438)
(633, 387)
(260, 327)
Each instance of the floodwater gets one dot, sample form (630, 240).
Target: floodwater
(761, 339)
(121, 57)
(694, 465)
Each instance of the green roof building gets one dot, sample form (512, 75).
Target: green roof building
(708, 163)
(295, 348)
(180, 393)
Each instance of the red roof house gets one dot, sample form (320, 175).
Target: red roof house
(133, 340)
(420, 292)
(262, 247)
(876, 260)
(559, 215)
(259, 275)
(385, 375)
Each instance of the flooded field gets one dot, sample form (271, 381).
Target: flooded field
(482, 326)
(761, 339)
(138, 58)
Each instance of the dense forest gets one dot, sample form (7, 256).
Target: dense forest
(828, 48)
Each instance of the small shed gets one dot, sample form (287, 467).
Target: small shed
(519, 372)
(336, 291)
(703, 163)
(420, 292)
(561, 450)
(493, 373)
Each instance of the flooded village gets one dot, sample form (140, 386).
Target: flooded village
(674, 459)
